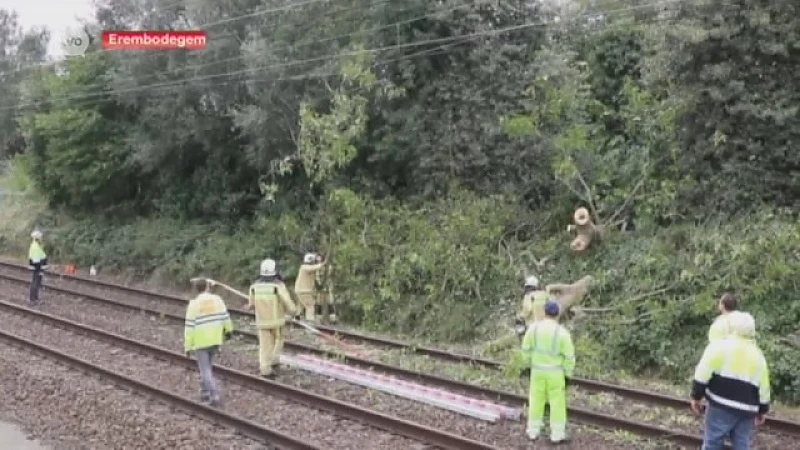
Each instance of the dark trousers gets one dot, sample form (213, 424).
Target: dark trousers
(36, 286)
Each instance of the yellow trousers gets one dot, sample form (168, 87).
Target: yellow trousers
(308, 303)
(270, 346)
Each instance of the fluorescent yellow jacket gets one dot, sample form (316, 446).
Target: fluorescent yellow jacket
(548, 346)
(272, 302)
(533, 306)
(207, 320)
(37, 258)
(733, 373)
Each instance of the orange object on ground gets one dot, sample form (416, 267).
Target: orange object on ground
(70, 269)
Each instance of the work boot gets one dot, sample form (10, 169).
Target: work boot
(215, 403)
(533, 430)
(268, 376)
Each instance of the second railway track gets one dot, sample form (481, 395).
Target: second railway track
(273, 410)
(148, 301)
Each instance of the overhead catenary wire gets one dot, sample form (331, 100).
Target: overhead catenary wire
(148, 53)
(286, 8)
(450, 39)
(188, 67)
(205, 25)
(302, 77)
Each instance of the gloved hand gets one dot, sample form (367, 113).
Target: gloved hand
(519, 326)
(567, 381)
(525, 373)
(228, 335)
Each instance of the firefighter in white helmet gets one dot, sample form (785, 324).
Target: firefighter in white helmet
(37, 261)
(305, 286)
(533, 300)
(272, 303)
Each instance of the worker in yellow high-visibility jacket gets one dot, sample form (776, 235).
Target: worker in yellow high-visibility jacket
(733, 377)
(305, 285)
(547, 347)
(37, 261)
(208, 324)
(272, 303)
(728, 306)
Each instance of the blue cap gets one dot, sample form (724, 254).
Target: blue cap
(551, 308)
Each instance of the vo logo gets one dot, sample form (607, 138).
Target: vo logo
(76, 42)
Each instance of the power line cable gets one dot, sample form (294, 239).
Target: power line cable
(292, 46)
(219, 22)
(465, 37)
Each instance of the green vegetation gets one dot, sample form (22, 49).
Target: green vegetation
(439, 170)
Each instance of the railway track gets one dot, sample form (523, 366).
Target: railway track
(589, 385)
(776, 424)
(580, 414)
(177, 304)
(165, 361)
(246, 427)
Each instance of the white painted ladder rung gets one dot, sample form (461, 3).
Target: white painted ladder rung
(436, 397)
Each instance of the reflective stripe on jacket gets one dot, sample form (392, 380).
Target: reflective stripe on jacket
(733, 373)
(548, 346)
(207, 320)
(533, 306)
(272, 303)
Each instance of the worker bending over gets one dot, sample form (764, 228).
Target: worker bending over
(208, 324)
(272, 303)
(734, 377)
(548, 347)
(728, 307)
(37, 261)
(305, 285)
(533, 301)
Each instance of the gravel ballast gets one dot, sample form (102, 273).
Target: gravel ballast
(296, 420)
(168, 334)
(69, 410)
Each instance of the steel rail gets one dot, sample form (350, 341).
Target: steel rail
(353, 412)
(243, 426)
(580, 414)
(656, 398)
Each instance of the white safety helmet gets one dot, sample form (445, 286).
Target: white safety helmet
(742, 324)
(36, 234)
(267, 268)
(531, 281)
(309, 258)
